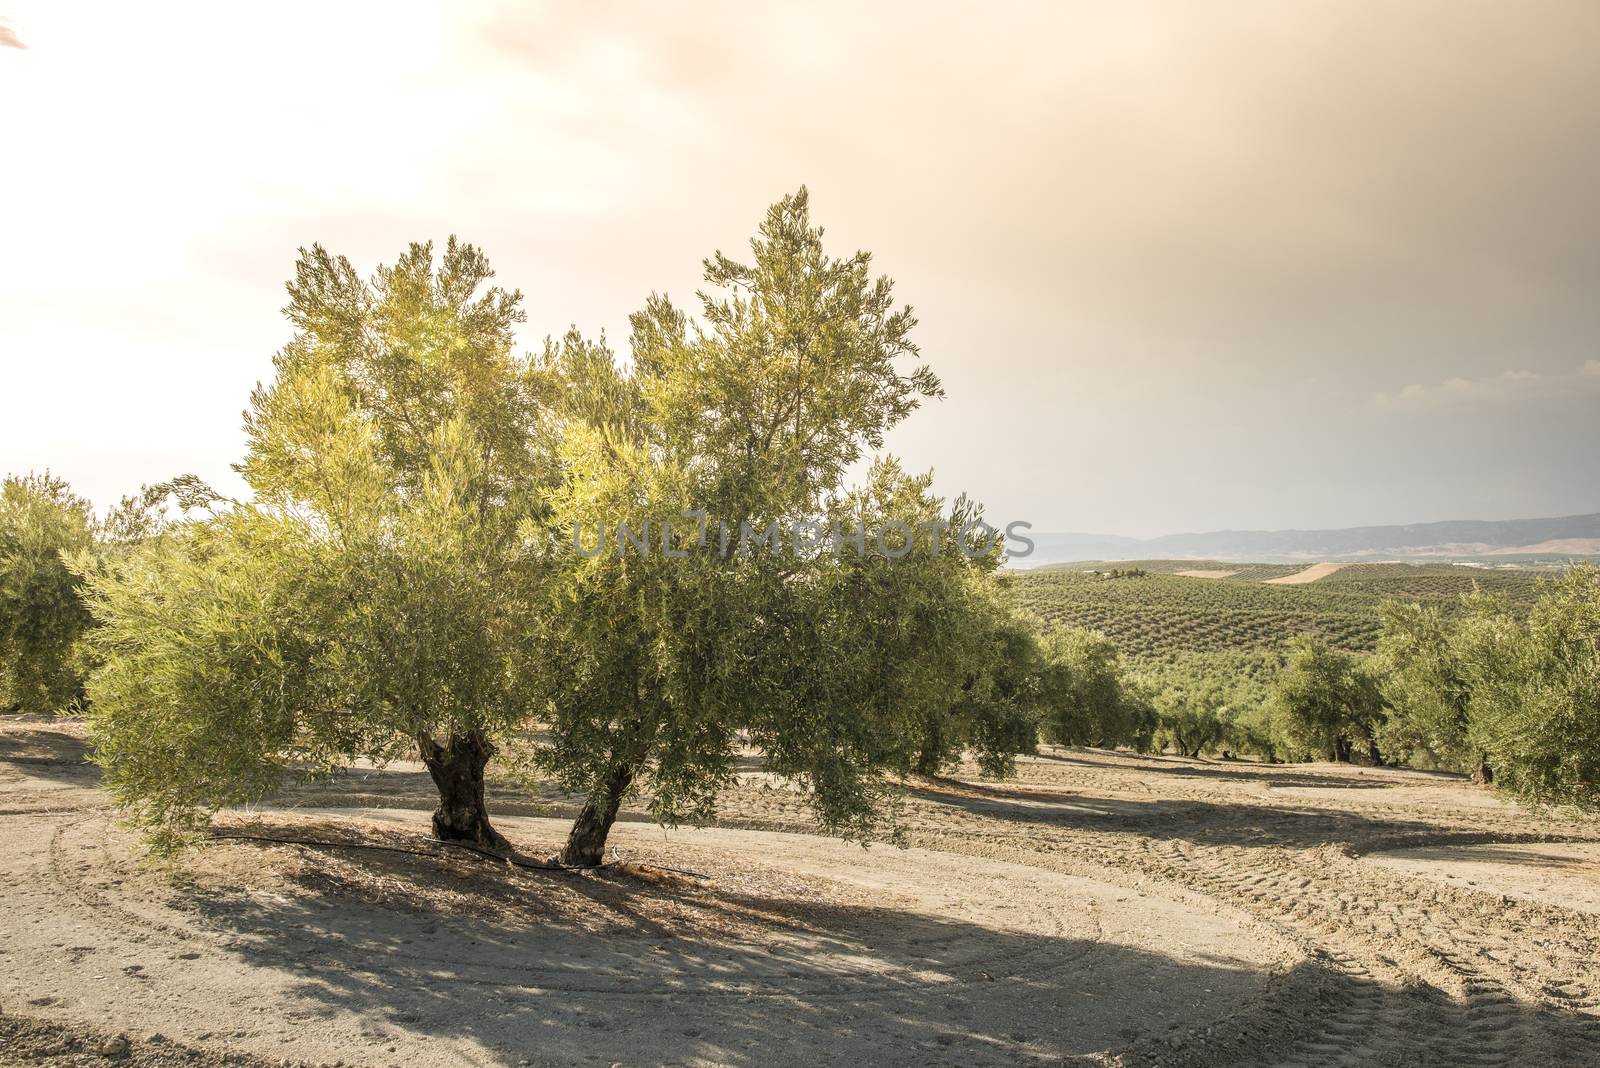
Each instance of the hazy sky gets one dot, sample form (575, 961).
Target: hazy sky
(1181, 266)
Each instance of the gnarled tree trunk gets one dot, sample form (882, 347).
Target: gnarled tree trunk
(457, 770)
(586, 845)
(928, 759)
(1483, 773)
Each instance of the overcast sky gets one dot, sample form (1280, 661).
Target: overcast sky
(1181, 266)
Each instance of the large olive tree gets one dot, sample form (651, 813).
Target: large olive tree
(821, 649)
(373, 599)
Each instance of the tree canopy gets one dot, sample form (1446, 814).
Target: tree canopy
(373, 598)
(739, 427)
(423, 567)
(43, 525)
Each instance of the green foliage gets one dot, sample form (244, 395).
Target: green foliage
(1509, 696)
(376, 591)
(1000, 713)
(1534, 690)
(870, 649)
(1081, 689)
(1326, 699)
(830, 663)
(997, 707)
(1422, 665)
(1213, 703)
(798, 365)
(207, 666)
(42, 617)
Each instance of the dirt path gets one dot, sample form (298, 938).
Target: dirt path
(1102, 907)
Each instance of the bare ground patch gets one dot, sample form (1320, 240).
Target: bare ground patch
(1106, 908)
(1310, 574)
(1562, 874)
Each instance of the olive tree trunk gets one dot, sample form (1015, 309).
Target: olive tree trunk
(1374, 754)
(1482, 773)
(586, 845)
(928, 761)
(457, 770)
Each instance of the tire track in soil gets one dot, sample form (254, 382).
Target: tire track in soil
(1396, 969)
(1410, 972)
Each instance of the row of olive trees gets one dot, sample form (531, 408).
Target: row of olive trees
(1510, 698)
(1028, 683)
(1211, 703)
(1507, 697)
(417, 572)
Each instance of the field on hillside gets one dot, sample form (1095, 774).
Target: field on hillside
(1163, 613)
(1101, 908)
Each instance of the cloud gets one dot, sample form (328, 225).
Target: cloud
(9, 38)
(1506, 387)
(1188, 230)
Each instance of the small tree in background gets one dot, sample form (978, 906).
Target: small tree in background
(1140, 714)
(42, 615)
(996, 711)
(1212, 701)
(1081, 689)
(1327, 701)
(1192, 717)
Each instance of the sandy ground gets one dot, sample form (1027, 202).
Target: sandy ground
(1100, 909)
(1310, 574)
(1559, 873)
(1213, 574)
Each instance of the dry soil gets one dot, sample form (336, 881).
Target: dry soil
(1102, 908)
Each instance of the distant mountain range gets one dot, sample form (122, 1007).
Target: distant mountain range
(1465, 539)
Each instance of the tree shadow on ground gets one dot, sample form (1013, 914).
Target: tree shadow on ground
(1247, 772)
(607, 967)
(46, 752)
(610, 967)
(1212, 823)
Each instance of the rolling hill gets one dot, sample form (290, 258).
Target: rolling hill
(1505, 541)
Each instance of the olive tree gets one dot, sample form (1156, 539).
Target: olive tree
(1082, 689)
(1327, 700)
(1534, 690)
(42, 615)
(737, 628)
(996, 711)
(1421, 661)
(1192, 717)
(374, 597)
